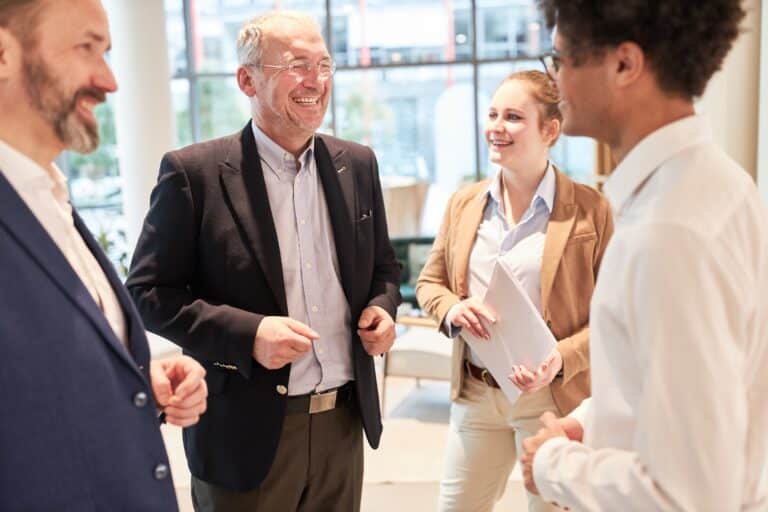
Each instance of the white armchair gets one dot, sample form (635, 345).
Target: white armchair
(421, 353)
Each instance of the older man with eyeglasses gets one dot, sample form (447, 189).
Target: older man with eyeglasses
(265, 255)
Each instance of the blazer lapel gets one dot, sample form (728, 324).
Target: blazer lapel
(136, 332)
(243, 180)
(31, 235)
(338, 182)
(465, 238)
(561, 222)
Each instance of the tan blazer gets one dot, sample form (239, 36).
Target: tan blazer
(578, 231)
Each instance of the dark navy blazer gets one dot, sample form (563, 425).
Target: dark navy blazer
(78, 425)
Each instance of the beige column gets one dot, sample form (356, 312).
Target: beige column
(731, 98)
(143, 109)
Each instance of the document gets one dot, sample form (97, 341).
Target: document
(519, 335)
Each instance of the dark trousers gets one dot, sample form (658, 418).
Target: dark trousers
(318, 467)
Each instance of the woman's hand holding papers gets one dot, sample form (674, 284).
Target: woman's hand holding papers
(467, 314)
(529, 381)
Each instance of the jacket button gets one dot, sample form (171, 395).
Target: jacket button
(140, 399)
(282, 389)
(161, 471)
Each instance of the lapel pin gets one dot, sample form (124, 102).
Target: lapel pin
(341, 169)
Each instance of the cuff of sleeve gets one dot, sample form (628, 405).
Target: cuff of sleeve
(450, 330)
(581, 411)
(572, 351)
(386, 303)
(542, 475)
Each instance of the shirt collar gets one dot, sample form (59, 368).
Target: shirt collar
(650, 153)
(545, 191)
(23, 173)
(278, 159)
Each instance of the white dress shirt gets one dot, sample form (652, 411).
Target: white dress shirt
(311, 275)
(519, 248)
(45, 194)
(678, 418)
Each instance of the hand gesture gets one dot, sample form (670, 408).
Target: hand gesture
(281, 340)
(178, 384)
(529, 381)
(376, 330)
(553, 427)
(467, 314)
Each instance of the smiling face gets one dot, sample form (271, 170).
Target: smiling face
(290, 106)
(517, 136)
(65, 75)
(585, 95)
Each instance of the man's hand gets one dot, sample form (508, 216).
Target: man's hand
(281, 340)
(528, 381)
(376, 330)
(553, 427)
(178, 384)
(467, 314)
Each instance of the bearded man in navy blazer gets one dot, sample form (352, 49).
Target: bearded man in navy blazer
(78, 395)
(265, 255)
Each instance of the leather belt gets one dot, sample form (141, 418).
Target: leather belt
(480, 374)
(312, 403)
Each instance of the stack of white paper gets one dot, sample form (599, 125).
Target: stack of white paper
(519, 335)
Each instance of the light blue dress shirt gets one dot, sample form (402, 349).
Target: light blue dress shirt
(519, 248)
(310, 266)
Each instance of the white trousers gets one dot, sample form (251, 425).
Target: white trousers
(485, 439)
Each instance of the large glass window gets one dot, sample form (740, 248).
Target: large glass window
(414, 81)
(95, 188)
(400, 31)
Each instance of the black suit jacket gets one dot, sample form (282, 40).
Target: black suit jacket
(207, 269)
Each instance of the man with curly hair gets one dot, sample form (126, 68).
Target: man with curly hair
(679, 323)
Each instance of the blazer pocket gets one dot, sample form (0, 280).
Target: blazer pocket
(217, 380)
(364, 216)
(581, 238)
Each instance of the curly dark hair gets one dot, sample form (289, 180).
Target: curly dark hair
(685, 42)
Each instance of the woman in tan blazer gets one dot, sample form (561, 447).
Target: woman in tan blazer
(550, 233)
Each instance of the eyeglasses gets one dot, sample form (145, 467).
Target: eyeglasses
(303, 68)
(551, 62)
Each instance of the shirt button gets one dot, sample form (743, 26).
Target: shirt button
(140, 399)
(308, 265)
(314, 309)
(161, 471)
(303, 222)
(282, 389)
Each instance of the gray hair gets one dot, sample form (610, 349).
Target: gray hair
(250, 40)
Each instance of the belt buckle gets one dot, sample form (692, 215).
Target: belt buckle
(486, 377)
(322, 402)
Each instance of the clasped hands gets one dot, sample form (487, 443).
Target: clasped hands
(281, 340)
(468, 314)
(567, 427)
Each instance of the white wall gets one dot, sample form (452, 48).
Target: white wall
(732, 95)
